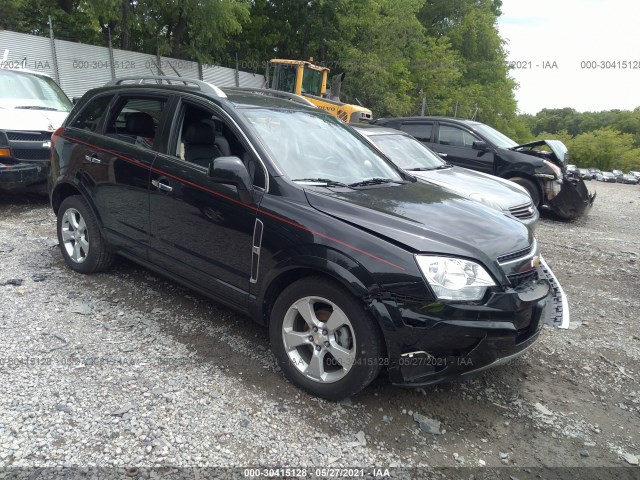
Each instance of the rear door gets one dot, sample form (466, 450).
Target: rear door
(454, 144)
(421, 130)
(201, 231)
(121, 162)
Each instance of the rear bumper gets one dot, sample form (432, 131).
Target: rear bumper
(573, 201)
(20, 176)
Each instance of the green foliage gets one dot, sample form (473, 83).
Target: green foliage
(605, 140)
(71, 23)
(605, 148)
(394, 54)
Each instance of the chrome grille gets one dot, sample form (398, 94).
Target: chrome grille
(29, 136)
(517, 254)
(523, 211)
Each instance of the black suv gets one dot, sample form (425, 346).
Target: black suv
(537, 166)
(283, 212)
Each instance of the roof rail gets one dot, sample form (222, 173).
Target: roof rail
(273, 93)
(166, 80)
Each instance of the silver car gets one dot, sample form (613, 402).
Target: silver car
(412, 156)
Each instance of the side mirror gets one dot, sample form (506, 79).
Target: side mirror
(231, 171)
(480, 145)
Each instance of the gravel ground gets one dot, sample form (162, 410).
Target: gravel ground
(127, 369)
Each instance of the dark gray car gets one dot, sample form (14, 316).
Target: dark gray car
(412, 156)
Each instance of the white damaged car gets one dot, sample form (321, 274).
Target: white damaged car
(32, 106)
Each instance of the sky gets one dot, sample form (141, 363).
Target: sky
(577, 35)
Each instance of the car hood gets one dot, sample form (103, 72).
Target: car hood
(31, 120)
(425, 218)
(466, 182)
(558, 149)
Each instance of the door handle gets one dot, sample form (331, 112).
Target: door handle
(162, 186)
(93, 158)
(442, 154)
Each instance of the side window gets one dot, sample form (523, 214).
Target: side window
(421, 131)
(135, 120)
(90, 116)
(204, 136)
(455, 137)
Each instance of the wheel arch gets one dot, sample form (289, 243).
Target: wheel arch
(66, 189)
(537, 183)
(290, 271)
(347, 273)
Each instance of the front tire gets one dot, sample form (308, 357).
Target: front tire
(83, 248)
(529, 186)
(324, 340)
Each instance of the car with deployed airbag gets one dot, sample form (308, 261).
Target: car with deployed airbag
(287, 215)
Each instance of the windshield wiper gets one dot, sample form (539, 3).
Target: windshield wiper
(444, 165)
(372, 181)
(36, 107)
(327, 181)
(420, 169)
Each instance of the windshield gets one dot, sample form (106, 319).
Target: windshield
(27, 91)
(312, 147)
(406, 152)
(500, 140)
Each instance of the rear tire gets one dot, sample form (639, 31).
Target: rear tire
(324, 340)
(83, 248)
(529, 186)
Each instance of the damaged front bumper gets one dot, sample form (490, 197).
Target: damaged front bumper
(573, 200)
(471, 338)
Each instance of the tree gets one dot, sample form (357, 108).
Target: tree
(70, 20)
(605, 149)
(484, 89)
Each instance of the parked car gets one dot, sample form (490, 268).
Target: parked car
(594, 171)
(572, 171)
(32, 106)
(618, 174)
(537, 166)
(283, 212)
(585, 174)
(629, 179)
(635, 174)
(411, 155)
(606, 177)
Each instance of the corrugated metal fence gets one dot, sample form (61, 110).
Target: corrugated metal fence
(78, 67)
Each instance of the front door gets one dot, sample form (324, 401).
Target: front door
(201, 231)
(455, 145)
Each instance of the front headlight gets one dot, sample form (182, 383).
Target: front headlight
(454, 278)
(556, 169)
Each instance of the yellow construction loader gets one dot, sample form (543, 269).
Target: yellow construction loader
(310, 81)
